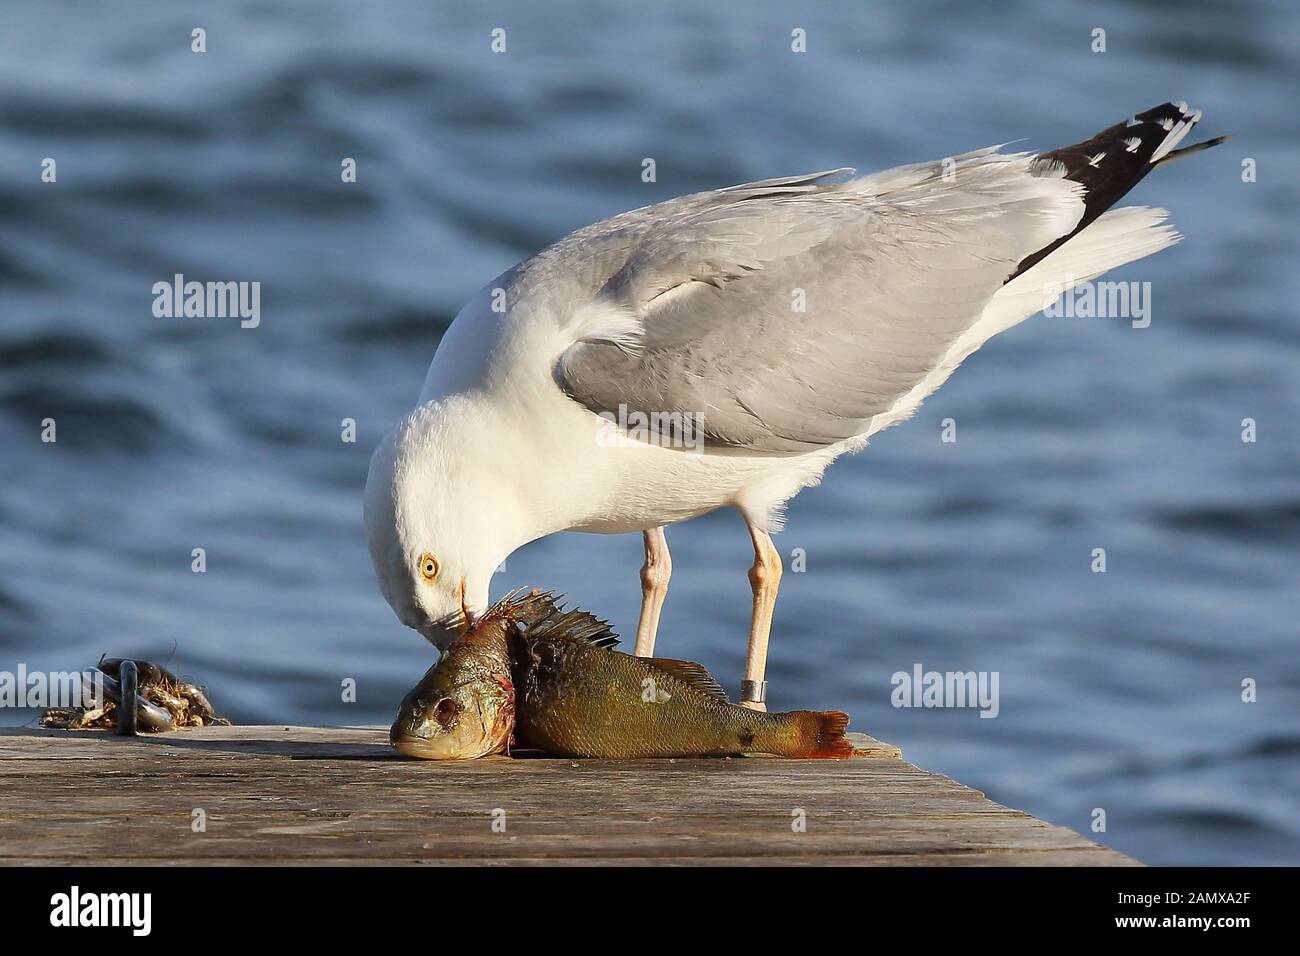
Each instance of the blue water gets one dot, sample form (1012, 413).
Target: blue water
(1119, 691)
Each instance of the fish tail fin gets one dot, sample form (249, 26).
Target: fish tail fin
(821, 734)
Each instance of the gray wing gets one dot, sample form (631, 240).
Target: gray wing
(783, 316)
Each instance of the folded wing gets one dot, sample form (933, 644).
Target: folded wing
(783, 316)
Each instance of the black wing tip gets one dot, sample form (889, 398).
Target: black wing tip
(1126, 151)
(1174, 154)
(1115, 160)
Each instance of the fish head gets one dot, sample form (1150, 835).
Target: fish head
(455, 713)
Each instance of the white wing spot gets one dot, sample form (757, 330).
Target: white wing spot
(1132, 143)
(1095, 160)
(1167, 123)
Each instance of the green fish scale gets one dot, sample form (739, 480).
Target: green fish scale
(582, 701)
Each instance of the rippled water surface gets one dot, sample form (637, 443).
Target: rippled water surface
(1119, 691)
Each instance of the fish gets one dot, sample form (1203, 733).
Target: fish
(464, 706)
(531, 674)
(578, 697)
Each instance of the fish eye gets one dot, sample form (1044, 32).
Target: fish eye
(429, 567)
(446, 711)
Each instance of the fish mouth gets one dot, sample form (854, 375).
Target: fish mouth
(409, 746)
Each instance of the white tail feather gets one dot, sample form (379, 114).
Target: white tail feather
(1118, 236)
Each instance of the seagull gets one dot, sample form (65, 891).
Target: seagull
(722, 349)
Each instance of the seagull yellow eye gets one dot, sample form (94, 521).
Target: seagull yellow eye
(428, 567)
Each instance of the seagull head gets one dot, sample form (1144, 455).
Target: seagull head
(433, 528)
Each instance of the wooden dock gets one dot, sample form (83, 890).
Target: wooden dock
(314, 795)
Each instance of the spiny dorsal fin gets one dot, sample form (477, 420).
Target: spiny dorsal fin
(689, 672)
(542, 615)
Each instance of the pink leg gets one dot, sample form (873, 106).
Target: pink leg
(764, 578)
(654, 588)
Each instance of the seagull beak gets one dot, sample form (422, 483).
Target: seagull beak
(441, 632)
(466, 615)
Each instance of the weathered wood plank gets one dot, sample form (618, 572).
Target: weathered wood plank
(1047, 858)
(259, 740)
(340, 795)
